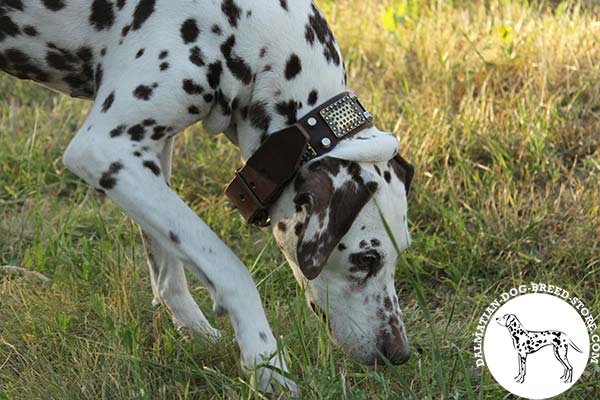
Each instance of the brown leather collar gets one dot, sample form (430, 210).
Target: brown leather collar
(261, 180)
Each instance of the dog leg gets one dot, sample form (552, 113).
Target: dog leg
(562, 353)
(565, 369)
(522, 368)
(126, 169)
(169, 285)
(516, 378)
(170, 289)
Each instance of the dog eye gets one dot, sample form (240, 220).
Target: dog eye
(368, 261)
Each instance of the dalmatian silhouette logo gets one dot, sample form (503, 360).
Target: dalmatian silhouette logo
(528, 342)
(536, 345)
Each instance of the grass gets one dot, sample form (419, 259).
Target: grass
(497, 105)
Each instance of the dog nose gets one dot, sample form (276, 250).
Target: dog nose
(394, 346)
(396, 352)
(397, 357)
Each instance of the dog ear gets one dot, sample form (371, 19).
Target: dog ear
(403, 170)
(369, 145)
(331, 192)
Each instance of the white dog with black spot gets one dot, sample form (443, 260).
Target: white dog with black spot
(249, 69)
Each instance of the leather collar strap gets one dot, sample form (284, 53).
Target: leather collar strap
(266, 173)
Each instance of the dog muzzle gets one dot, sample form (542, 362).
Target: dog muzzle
(258, 184)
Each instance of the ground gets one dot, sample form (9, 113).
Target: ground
(498, 107)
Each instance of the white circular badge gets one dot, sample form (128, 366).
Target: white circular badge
(536, 346)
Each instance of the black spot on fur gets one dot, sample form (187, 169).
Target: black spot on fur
(341, 247)
(163, 54)
(214, 74)
(387, 176)
(164, 66)
(143, 92)
(108, 102)
(372, 186)
(292, 67)
(15, 4)
(189, 31)
(136, 132)
(191, 87)
(318, 28)
(60, 61)
(283, 4)
(223, 101)
(85, 53)
(29, 30)
(193, 110)
(108, 180)
(102, 16)
(263, 336)
(231, 11)
(208, 98)
(143, 11)
(125, 30)
(309, 34)
(98, 76)
(8, 27)
(282, 226)
(289, 110)
(140, 53)
(313, 96)
(54, 5)
(118, 131)
(149, 122)
(20, 65)
(120, 4)
(196, 56)
(151, 165)
(174, 238)
(227, 46)
(236, 65)
(216, 29)
(159, 132)
(259, 118)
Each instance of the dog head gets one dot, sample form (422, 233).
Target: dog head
(508, 320)
(329, 225)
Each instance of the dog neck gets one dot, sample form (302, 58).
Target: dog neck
(285, 85)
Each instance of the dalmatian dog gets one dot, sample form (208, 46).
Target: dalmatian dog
(248, 69)
(528, 342)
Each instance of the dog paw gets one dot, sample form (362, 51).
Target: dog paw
(208, 332)
(270, 377)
